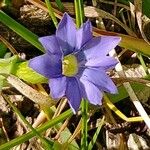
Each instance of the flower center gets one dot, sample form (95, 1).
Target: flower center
(70, 66)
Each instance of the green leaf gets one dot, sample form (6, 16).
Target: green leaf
(122, 93)
(146, 8)
(60, 5)
(66, 146)
(64, 138)
(7, 65)
(7, 55)
(51, 12)
(20, 30)
(3, 50)
(2, 82)
(135, 44)
(7, 2)
(40, 129)
(57, 146)
(13, 65)
(93, 141)
(27, 74)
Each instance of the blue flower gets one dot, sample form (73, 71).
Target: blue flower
(75, 63)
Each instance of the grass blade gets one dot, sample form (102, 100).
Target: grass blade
(20, 30)
(31, 134)
(92, 142)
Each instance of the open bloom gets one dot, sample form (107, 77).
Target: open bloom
(75, 63)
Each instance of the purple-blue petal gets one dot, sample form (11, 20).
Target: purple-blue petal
(66, 34)
(106, 62)
(99, 47)
(73, 93)
(93, 94)
(83, 35)
(100, 79)
(48, 66)
(51, 45)
(57, 87)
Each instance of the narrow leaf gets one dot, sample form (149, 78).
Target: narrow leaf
(20, 30)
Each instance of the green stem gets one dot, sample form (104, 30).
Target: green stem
(93, 141)
(84, 129)
(20, 30)
(44, 141)
(139, 55)
(79, 10)
(31, 134)
(60, 5)
(51, 12)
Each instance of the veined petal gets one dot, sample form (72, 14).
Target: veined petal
(51, 45)
(93, 94)
(100, 79)
(73, 93)
(100, 46)
(48, 66)
(57, 87)
(83, 35)
(66, 34)
(106, 62)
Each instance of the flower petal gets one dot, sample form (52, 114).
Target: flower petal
(66, 34)
(100, 79)
(83, 35)
(93, 94)
(73, 93)
(57, 87)
(48, 66)
(100, 46)
(105, 62)
(51, 45)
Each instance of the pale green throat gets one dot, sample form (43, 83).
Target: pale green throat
(69, 66)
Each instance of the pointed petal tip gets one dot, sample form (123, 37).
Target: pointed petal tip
(83, 35)
(51, 45)
(64, 19)
(66, 15)
(32, 63)
(100, 46)
(41, 39)
(66, 34)
(118, 39)
(114, 90)
(115, 39)
(74, 110)
(88, 23)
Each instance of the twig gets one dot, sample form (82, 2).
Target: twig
(29, 92)
(62, 128)
(75, 133)
(57, 112)
(8, 45)
(40, 118)
(130, 91)
(128, 79)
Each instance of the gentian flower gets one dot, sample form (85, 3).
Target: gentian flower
(75, 63)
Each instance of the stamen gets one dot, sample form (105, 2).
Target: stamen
(70, 66)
